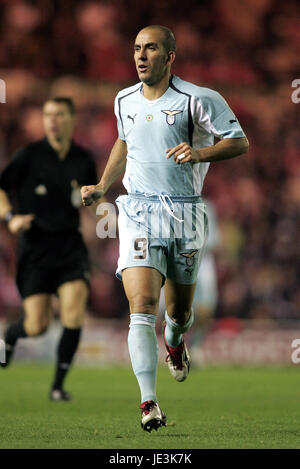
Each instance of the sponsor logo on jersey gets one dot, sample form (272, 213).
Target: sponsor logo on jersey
(132, 118)
(171, 116)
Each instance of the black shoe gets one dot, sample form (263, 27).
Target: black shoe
(9, 351)
(59, 395)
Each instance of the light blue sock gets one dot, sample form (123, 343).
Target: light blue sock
(173, 331)
(143, 351)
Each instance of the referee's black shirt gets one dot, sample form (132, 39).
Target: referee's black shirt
(48, 187)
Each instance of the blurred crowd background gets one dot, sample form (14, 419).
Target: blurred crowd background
(248, 51)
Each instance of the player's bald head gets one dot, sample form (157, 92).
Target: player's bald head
(168, 38)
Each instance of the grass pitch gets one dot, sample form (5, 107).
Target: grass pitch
(214, 408)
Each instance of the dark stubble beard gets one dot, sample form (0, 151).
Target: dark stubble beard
(151, 81)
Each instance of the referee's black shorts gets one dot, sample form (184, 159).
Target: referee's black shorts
(47, 260)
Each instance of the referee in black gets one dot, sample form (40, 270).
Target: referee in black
(40, 200)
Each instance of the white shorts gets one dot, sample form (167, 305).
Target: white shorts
(150, 236)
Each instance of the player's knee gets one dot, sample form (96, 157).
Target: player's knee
(179, 315)
(73, 318)
(36, 328)
(143, 304)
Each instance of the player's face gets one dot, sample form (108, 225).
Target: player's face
(58, 121)
(151, 59)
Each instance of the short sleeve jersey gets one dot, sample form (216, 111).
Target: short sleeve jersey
(184, 113)
(42, 184)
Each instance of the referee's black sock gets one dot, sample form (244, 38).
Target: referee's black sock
(65, 352)
(14, 332)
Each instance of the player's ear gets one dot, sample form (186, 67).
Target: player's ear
(170, 57)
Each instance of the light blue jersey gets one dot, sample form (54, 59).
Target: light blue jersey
(184, 113)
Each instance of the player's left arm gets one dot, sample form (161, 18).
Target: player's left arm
(212, 114)
(223, 150)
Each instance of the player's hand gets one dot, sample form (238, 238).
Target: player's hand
(20, 223)
(90, 195)
(183, 153)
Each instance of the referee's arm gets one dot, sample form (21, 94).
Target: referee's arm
(16, 223)
(5, 205)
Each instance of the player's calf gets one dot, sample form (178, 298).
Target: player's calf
(178, 358)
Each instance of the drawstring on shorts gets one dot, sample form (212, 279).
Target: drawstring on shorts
(164, 199)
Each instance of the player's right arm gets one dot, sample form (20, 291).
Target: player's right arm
(114, 168)
(16, 223)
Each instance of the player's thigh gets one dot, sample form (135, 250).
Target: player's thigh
(179, 299)
(142, 286)
(37, 310)
(73, 297)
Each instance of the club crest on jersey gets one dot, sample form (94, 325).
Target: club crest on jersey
(171, 116)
